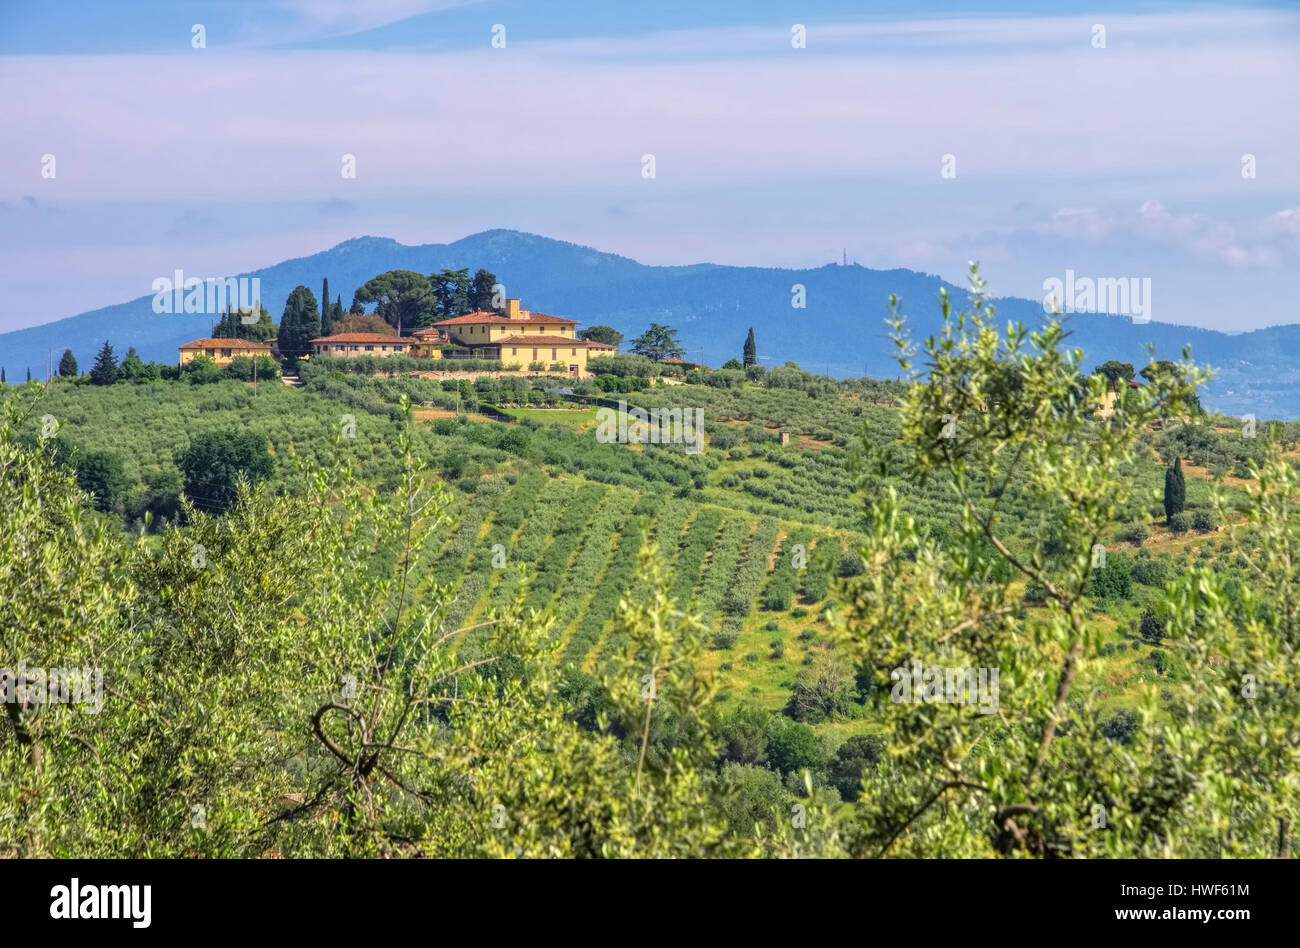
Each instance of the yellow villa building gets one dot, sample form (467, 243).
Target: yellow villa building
(222, 351)
(519, 337)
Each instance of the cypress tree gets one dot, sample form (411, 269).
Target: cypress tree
(751, 349)
(300, 323)
(29, 373)
(1175, 488)
(68, 365)
(325, 313)
(2, 377)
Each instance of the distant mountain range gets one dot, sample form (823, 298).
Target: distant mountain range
(840, 331)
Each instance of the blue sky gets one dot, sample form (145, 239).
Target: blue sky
(1116, 161)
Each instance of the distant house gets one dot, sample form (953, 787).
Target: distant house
(222, 351)
(1110, 396)
(518, 337)
(595, 349)
(350, 345)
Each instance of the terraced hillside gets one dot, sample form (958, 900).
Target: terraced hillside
(753, 532)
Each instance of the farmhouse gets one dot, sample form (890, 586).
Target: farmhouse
(350, 345)
(1110, 396)
(222, 351)
(519, 337)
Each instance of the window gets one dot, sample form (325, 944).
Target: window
(370, 348)
(573, 352)
(399, 348)
(225, 353)
(553, 353)
(514, 350)
(534, 353)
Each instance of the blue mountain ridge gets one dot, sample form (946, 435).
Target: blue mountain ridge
(840, 332)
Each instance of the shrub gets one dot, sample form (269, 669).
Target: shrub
(1178, 523)
(1151, 571)
(854, 757)
(725, 637)
(1121, 726)
(851, 565)
(1112, 581)
(1203, 521)
(792, 746)
(798, 612)
(1151, 627)
(778, 648)
(1135, 533)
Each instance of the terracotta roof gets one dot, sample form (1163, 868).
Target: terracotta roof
(593, 344)
(539, 340)
(226, 344)
(497, 319)
(430, 334)
(360, 337)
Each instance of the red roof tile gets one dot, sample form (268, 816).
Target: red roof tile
(226, 344)
(481, 317)
(361, 337)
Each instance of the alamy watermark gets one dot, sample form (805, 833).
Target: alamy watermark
(1117, 296)
(918, 685)
(657, 426)
(37, 686)
(215, 295)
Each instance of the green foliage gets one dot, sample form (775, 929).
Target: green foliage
(202, 370)
(405, 299)
(300, 324)
(1018, 413)
(481, 291)
(751, 349)
(1175, 489)
(657, 343)
(104, 372)
(854, 757)
(233, 325)
(101, 474)
(216, 461)
(606, 334)
(68, 365)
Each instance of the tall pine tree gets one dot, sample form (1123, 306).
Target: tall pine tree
(1175, 488)
(325, 314)
(68, 365)
(104, 371)
(480, 294)
(751, 349)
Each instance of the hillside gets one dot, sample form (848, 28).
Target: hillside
(839, 333)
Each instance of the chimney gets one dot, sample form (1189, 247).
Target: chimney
(512, 309)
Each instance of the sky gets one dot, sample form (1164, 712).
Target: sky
(922, 134)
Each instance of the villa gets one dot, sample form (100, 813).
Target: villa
(350, 345)
(521, 338)
(221, 351)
